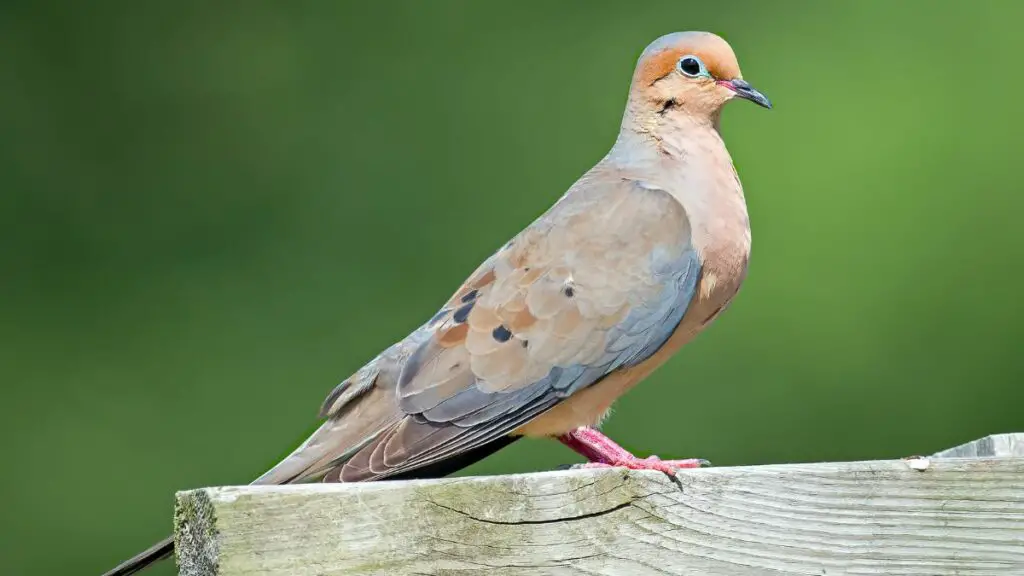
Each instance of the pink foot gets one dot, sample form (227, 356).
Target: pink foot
(669, 467)
(603, 452)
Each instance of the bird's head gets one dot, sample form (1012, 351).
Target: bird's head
(689, 73)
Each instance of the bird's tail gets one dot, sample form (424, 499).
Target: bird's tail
(142, 560)
(287, 471)
(330, 446)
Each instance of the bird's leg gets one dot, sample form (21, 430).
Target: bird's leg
(602, 452)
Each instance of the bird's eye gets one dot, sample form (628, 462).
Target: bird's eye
(692, 66)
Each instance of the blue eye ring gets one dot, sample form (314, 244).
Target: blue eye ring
(692, 66)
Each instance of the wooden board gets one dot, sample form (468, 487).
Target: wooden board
(960, 516)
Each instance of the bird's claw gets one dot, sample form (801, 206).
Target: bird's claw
(669, 467)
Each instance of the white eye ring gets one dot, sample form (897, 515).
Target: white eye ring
(692, 66)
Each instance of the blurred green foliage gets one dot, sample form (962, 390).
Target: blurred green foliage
(212, 212)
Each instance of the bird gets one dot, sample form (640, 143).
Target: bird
(641, 253)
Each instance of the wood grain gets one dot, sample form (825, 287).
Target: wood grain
(996, 445)
(957, 516)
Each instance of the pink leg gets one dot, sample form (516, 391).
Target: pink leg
(603, 452)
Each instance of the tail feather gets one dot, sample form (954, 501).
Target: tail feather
(358, 412)
(333, 443)
(142, 560)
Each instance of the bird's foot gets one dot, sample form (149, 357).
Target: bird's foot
(603, 452)
(669, 467)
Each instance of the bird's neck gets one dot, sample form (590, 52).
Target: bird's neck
(672, 132)
(678, 151)
(689, 160)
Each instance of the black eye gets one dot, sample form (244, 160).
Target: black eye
(691, 66)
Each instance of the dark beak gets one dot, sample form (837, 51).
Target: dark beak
(746, 91)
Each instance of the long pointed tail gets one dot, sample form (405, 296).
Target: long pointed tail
(335, 441)
(313, 453)
(142, 560)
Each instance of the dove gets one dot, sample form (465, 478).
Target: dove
(639, 255)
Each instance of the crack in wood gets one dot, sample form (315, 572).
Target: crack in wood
(538, 521)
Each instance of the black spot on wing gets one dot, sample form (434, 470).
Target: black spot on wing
(501, 334)
(462, 313)
(469, 296)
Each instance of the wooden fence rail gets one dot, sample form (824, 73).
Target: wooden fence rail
(960, 511)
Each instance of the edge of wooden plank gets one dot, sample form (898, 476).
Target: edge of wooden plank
(993, 446)
(196, 538)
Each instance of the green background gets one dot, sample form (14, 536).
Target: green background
(212, 212)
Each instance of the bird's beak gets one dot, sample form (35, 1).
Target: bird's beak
(746, 91)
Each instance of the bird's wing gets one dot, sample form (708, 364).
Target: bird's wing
(597, 283)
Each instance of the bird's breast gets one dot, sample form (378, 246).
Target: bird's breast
(707, 188)
(724, 256)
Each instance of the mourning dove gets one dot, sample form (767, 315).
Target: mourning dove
(639, 255)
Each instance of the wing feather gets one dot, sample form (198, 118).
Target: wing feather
(596, 284)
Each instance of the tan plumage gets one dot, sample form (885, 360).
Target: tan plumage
(572, 312)
(634, 260)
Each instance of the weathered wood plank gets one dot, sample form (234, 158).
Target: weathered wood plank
(994, 446)
(957, 516)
